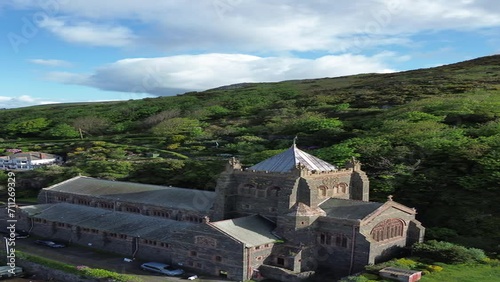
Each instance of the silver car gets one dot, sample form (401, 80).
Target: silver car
(162, 268)
(49, 243)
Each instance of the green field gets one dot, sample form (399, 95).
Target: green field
(465, 273)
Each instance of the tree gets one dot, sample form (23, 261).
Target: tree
(91, 125)
(313, 123)
(61, 131)
(161, 116)
(178, 126)
(28, 127)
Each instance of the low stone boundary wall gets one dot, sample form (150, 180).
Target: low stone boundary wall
(281, 274)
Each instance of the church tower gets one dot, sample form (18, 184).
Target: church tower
(287, 183)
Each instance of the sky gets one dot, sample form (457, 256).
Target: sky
(60, 51)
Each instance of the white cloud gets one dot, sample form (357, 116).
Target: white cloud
(50, 63)
(252, 26)
(89, 33)
(178, 74)
(7, 102)
(22, 101)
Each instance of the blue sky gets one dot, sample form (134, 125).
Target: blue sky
(57, 51)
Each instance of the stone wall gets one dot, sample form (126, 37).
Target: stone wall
(191, 247)
(322, 186)
(207, 250)
(360, 186)
(341, 248)
(386, 249)
(258, 255)
(242, 193)
(281, 274)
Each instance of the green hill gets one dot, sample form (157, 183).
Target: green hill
(430, 137)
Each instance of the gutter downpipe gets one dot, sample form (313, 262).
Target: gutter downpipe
(136, 239)
(32, 224)
(352, 249)
(249, 265)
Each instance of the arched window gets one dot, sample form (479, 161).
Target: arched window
(388, 229)
(322, 191)
(248, 189)
(273, 191)
(342, 188)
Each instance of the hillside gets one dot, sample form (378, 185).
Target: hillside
(430, 137)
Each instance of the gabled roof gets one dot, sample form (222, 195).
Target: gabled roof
(136, 225)
(161, 196)
(301, 209)
(290, 159)
(390, 204)
(349, 209)
(251, 230)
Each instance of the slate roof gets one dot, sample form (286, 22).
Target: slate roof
(348, 209)
(301, 209)
(161, 196)
(251, 230)
(136, 225)
(290, 159)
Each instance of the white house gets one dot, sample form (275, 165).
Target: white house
(27, 161)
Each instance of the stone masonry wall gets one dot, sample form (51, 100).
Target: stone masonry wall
(184, 247)
(267, 194)
(386, 249)
(205, 249)
(340, 246)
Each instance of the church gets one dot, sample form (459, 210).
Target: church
(283, 218)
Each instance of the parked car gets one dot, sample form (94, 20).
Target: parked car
(7, 271)
(162, 268)
(49, 243)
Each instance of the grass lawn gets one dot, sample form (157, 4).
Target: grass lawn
(465, 273)
(27, 200)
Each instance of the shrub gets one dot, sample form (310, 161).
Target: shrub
(440, 233)
(447, 252)
(81, 269)
(434, 268)
(102, 273)
(354, 279)
(477, 254)
(370, 276)
(405, 263)
(173, 146)
(491, 262)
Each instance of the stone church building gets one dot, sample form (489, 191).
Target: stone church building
(283, 218)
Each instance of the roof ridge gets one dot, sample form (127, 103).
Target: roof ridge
(290, 159)
(65, 181)
(134, 183)
(351, 200)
